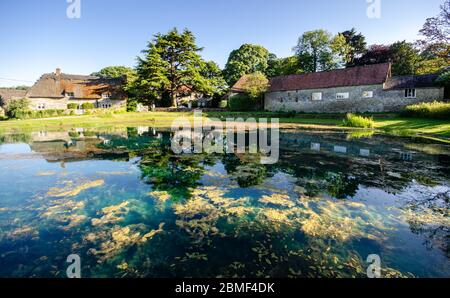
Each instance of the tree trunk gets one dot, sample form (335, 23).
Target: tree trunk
(174, 100)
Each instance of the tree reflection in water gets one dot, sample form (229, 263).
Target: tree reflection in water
(314, 213)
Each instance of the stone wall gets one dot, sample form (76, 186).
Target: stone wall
(382, 100)
(61, 103)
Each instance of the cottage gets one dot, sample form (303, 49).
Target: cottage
(369, 88)
(7, 94)
(57, 90)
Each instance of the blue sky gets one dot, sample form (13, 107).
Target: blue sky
(36, 36)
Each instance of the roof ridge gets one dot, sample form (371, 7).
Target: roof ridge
(332, 70)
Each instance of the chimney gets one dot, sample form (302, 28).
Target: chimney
(58, 71)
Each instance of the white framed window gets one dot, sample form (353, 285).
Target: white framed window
(364, 152)
(106, 95)
(70, 94)
(367, 94)
(342, 95)
(315, 146)
(410, 93)
(316, 96)
(41, 106)
(340, 149)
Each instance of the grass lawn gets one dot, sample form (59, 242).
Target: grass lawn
(388, 123)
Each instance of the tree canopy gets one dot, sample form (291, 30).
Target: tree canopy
(115, 72)
(404, 58)
(170, 62)
(314, 51)
(354, 47)
(255, 85)
(246, 60)
(283, 66)
(437, 29)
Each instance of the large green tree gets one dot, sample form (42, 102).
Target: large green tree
(355, 46)
(434, 58)
(170, 61)
(283, 66)
(404, 58)
(314, 51)
(215, 83)
(245, 60)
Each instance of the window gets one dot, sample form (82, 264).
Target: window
(316, 96)
(340, 149)
(364, 152)
(41, 106)
(315, 146)
(106, 95)
(367, 94)
(410, 93)
(344, 95)
(70, 94)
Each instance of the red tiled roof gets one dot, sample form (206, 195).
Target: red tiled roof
(354, 76)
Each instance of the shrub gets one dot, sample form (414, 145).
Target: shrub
(255, 85)
(87, 106)
(444, 79)
(72, 106)
(241, 103)
(17, 108)
(223, 104)
(436, 110)
(27, 114)
(132, 105)
(74, 134)
(352, 120)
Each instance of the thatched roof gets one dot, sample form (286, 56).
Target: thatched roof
(57, 85)
(10, 93)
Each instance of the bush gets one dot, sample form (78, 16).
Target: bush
(352, 120)
(132, 105)
(17, 108)
(27, 114)
(87, 106)
(436, 110)
(223, 104)
(444, 79)
(241, 103)
(72, 106)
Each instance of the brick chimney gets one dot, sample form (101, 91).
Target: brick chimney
(58, 71)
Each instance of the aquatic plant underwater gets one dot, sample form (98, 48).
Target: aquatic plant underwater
(129, 207)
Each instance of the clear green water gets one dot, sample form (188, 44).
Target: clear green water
(130, 208)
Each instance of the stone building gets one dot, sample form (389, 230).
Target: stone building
(369, 88)
(57, 90)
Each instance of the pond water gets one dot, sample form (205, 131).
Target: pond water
(129, 207)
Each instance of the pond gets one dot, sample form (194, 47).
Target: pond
(130, 207)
